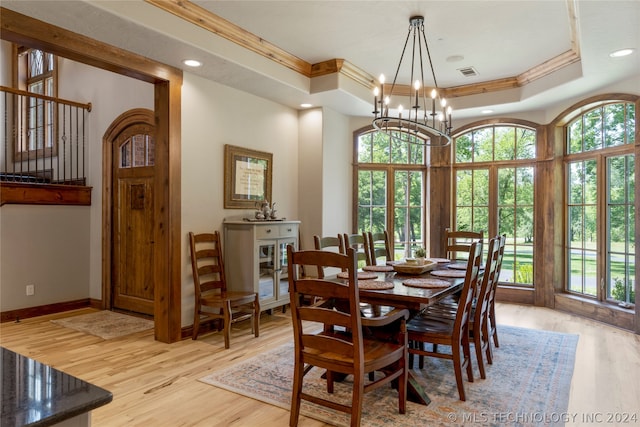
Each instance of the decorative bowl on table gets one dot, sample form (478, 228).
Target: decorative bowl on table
(414, 268)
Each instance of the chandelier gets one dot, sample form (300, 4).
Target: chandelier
(428, 120)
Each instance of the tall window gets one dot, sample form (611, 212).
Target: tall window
(36, 73)
(391, 194)
(494, 192)
(600, 239)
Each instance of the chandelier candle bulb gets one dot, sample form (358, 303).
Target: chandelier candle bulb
(434, 94)
(375, 100)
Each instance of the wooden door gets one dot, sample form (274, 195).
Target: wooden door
(133, 220)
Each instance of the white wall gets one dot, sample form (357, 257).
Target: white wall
(337, 171)
(59, 248)
(310, 174)
(214, 115)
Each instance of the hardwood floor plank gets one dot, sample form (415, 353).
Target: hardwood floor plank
(154, 383)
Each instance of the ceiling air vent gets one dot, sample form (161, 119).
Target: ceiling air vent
(468, 71)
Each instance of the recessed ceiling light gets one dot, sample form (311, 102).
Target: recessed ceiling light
(306, 105)
(487, 111)
(192, 63)
(621, 52)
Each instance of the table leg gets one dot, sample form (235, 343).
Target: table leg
(415, 392)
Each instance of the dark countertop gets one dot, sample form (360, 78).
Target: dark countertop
(35, 394)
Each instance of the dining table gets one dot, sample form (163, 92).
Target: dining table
(379, 286)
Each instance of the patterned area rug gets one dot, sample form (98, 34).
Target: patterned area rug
(527, 385)
(105, 324)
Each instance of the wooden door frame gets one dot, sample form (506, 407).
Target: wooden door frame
(167, 81)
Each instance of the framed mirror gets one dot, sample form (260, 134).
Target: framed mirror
(247, 177)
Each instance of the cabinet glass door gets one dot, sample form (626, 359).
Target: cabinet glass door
(267, 270)
(283, 287)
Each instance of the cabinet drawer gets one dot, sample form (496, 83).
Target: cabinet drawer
(289, 230)
(267, 231)
(276, 231)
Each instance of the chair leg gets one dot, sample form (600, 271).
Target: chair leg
(298, 374)
(196, 322)
(466, 351)
(457, 368)
(256, 317)
(330, 380)
(227, 324)
(402, 386)
(494, 328)
(356, 401)
(477, 343)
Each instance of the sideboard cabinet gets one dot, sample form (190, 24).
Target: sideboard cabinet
(255, 257)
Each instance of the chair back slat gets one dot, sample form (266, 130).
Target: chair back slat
(459, 241)
(341, 301)
(487, 287)
(328, 243)
(324, 315)
(359, 243)
(378, 247)
(461, 323)
(206, 262)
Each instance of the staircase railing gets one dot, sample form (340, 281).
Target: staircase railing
(44, 139)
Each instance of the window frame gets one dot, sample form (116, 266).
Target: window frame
(390, 169)
(601, 156)
(493, 166)
(23, 80)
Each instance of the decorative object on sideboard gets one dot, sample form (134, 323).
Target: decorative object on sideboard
(265, 211)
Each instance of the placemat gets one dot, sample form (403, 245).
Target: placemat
(458, 266)
(426, 283)
(362, 275)
(374, 284)
(379, 268)
(461, 266)
(439, 260)
(449, 273)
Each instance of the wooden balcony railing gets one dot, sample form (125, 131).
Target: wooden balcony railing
(44, 149)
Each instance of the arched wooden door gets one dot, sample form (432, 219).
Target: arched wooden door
(131, 213)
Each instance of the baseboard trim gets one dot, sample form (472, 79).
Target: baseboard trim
(25, 313)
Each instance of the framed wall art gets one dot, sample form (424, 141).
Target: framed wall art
(247, 177)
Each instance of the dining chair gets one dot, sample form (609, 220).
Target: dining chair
(359, 243)
(378, 246)
(330, 243)
(493, 328)
(342, 346)
(211, 288)
(454, 333)
(460, 241)
(479, 320)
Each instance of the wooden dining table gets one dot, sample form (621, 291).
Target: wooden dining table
(412, 298)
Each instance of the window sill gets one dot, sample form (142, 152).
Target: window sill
(44, 194)
(607, 313)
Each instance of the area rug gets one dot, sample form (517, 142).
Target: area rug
(106, 324)
(527, 385)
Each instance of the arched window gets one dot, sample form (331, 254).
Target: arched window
(600, 202)
(493, 180)
(391, 179)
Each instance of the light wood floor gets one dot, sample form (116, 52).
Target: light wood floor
(157, 384)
